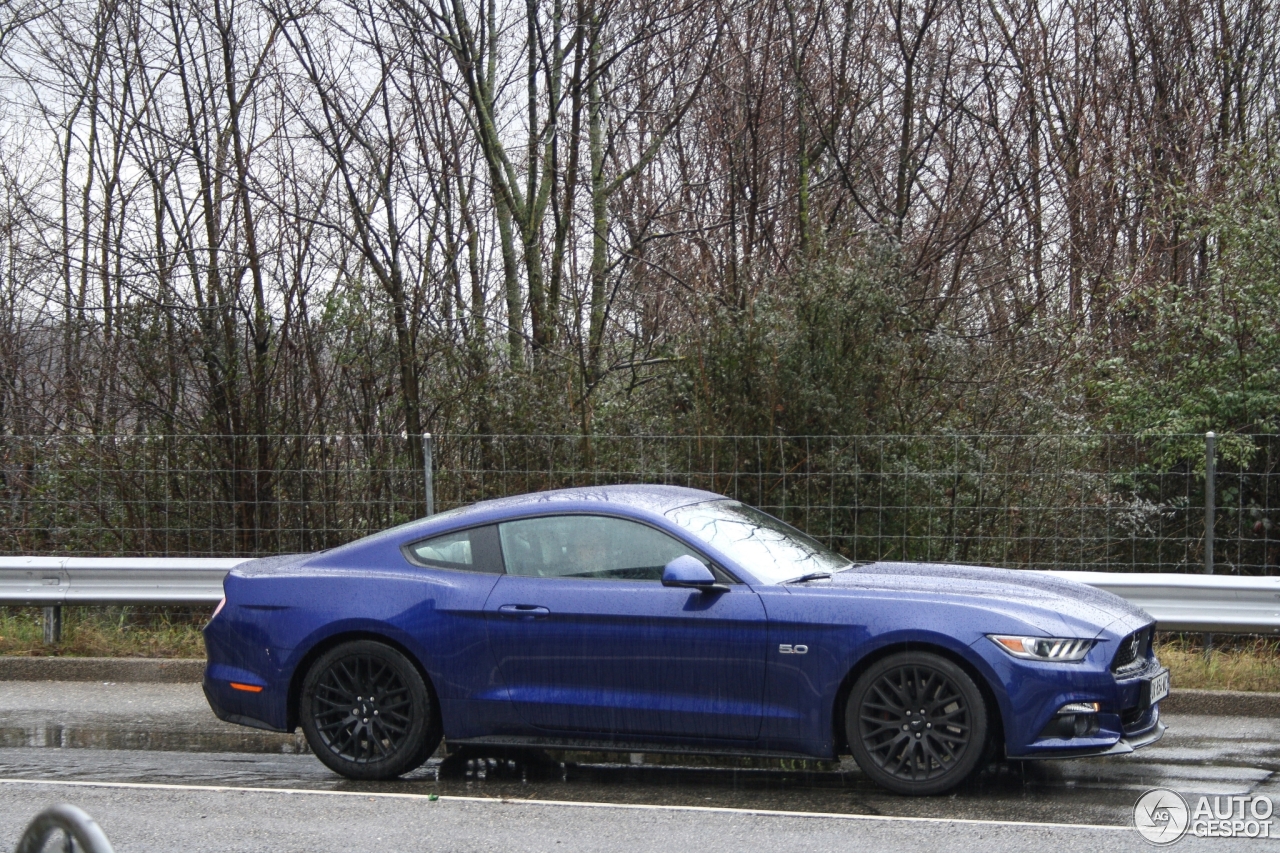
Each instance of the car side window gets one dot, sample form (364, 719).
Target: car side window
(587, 546)
(473, 550)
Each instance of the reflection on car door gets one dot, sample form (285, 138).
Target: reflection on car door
(588, 640)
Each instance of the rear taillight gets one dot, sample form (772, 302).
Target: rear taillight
(218, 609)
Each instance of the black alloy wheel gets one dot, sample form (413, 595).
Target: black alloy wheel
(367, 712)
(916, 723)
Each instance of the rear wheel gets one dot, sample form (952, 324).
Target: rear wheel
(916, 723)
(367, 712)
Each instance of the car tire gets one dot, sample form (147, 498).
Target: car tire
(916, 723)
(367, 712)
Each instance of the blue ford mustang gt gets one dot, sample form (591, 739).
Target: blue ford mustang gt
(663, 619)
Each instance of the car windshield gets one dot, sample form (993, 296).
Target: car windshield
(772, 550)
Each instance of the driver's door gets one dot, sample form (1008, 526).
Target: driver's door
(588, 640)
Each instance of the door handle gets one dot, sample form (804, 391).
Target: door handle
(524, 611)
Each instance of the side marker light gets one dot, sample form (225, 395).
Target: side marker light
(247, 688)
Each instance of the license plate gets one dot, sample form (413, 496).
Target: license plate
(1157, 687)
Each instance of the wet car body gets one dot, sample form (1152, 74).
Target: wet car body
(750, 666)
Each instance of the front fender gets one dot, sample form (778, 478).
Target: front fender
(844, 634)
(987, 677)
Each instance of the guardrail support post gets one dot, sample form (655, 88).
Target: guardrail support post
(428, 462)
(53, 625)
(1210, 476)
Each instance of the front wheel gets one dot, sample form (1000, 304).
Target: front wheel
(367, 712)
(916, 723)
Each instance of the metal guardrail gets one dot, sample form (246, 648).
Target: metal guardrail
(1219, 604)
(1222, 604)
(55, 581)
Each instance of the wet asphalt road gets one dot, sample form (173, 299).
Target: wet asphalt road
(186, 775)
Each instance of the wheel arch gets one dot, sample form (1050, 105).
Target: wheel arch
(313, 654)
(995, 725)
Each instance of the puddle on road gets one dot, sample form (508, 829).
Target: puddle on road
(58, 735)
(1039, 794)
(1095, 791)
(1099, 791)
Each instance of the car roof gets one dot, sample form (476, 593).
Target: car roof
(636, 497)
(654, 498)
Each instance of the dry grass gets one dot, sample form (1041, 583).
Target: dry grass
(131, 632)
(1236, 663)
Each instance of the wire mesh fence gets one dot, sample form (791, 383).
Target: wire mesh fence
(201, 495)
(1103, 502)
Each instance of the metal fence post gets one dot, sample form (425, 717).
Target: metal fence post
(427, 480)
(1210, 476)
(52, 625)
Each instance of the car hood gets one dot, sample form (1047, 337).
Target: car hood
(1019, 593)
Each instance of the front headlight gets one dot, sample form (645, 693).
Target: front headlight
(1044, 648)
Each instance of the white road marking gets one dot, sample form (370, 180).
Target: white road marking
(149, 786)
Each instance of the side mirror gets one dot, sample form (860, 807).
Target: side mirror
(687, 571)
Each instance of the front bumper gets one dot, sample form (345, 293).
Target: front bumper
(1123, 746)
(1036, 691)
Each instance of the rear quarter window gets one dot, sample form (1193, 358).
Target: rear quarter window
(472, 550)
